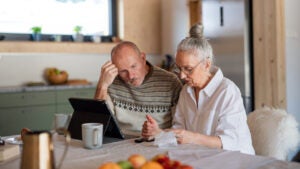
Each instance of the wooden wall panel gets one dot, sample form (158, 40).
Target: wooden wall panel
(269, 53)
(195, 11)
(142, 24)
(55, 47)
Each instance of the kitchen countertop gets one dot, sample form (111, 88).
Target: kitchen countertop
(195, 155)
(15, 89)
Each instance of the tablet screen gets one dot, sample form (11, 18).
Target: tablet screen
(92, 111)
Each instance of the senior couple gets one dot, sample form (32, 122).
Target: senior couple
(208, 110)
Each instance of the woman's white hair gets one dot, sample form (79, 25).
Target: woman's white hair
(197, 44)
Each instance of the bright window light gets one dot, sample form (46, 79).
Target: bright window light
(55, 17)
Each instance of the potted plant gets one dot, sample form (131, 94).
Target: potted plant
(36, 33)
(78, 36)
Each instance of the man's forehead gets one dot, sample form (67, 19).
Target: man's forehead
(126, 64)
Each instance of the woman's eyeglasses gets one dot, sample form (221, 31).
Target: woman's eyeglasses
(185, 70)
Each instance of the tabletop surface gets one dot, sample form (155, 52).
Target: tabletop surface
(197, 156)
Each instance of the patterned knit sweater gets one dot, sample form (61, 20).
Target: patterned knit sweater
(157, 96)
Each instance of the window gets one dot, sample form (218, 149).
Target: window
(57, 17)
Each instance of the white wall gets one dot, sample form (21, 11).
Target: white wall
(175, 24)
(19, 68)
(292, 14)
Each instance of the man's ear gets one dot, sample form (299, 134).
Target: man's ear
(143, 56)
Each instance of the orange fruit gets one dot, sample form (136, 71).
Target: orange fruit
(152, 165)
(137, 160)
(110, 165)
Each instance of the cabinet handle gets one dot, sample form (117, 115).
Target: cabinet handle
(221, 16)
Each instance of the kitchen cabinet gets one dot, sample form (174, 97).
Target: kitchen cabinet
(12, 120)
(62, 102)
(35, 109)
(26, 99)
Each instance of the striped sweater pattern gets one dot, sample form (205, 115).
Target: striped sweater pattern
(157, 96)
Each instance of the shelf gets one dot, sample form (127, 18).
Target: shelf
(55, 47)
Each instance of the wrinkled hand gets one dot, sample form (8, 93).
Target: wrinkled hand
(150, 127)
(108, 73)
(183, 136)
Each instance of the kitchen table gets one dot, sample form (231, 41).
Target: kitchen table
(197, 156)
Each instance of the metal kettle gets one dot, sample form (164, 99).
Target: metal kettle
(38, 152)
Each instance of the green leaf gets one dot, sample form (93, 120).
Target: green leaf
(36, 29)
(57, 71)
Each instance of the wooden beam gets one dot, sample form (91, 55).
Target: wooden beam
(269, 53)
(142, 24)
(195, 11)
(55, 47)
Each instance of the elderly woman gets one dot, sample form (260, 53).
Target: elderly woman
(210, 109)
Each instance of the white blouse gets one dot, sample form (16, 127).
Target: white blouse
(220, 112)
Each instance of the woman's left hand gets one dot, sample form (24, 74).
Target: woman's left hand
(184, 136)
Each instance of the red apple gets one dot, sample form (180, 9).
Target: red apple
(175, 164)
(161, 158)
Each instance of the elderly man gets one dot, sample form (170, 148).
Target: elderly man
(134, 88)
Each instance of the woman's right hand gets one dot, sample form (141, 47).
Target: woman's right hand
(150, 127)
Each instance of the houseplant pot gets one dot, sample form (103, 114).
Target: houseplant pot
(36, 33)
(78, 37)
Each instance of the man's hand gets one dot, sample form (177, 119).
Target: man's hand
(150, 127)
(108, 73)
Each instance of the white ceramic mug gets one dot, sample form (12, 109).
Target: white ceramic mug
(61, 121)
(92, 135)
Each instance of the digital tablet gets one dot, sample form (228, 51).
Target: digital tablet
(93, 111)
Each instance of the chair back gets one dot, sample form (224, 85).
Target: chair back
(274, 132)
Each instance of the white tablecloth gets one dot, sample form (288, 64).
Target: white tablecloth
(197, 156)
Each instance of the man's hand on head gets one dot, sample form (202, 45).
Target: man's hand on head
(108, 73)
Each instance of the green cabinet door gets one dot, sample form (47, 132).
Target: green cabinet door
(12, 120)
(63, 95)
(26, 98)
(62, 98)
(64, 108)
(12, 99)
(34, 110)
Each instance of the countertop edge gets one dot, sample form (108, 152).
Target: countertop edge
(16, 89)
